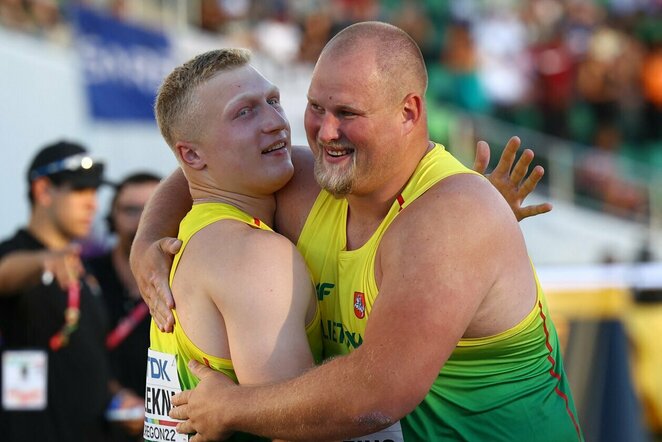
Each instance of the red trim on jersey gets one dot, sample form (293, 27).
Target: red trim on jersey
(256, 222)
(401, 201)
(556, 375)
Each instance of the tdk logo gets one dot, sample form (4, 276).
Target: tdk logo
(157, 368)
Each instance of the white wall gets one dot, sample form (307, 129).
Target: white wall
(41, 100)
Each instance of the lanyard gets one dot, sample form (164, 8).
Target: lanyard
(71, 317)
(126, 325)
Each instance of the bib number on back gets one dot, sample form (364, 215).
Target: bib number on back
(161, 384)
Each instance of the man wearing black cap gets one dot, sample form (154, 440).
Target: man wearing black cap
(55, 377)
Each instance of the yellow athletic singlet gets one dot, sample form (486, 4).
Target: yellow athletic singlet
(508, 387)
(200, 216)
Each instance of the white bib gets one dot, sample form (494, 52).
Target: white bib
(161, 384)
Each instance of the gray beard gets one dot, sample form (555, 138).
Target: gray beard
(336, 184)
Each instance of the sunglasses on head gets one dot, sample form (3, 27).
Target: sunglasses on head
(71, 164)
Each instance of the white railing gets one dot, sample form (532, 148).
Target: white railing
(560, 158)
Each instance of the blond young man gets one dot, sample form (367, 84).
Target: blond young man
(245, 300)
(429, 300)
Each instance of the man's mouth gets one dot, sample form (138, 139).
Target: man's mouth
(274, 147)
(338, 152)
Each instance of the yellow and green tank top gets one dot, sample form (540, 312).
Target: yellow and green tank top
(508, 387)
(178, 343)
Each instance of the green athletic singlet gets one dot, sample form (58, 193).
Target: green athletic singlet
(508, 387)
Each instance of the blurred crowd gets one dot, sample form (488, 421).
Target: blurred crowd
(589, 71)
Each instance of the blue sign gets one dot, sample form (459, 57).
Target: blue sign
(123, 64)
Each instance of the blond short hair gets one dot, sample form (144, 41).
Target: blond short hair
(175, 104)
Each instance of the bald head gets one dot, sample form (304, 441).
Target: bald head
(396, 55)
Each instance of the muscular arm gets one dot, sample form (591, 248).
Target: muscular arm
(260, 301)
(164, 210)
(265, 312)
(151, 254)
(436, 276)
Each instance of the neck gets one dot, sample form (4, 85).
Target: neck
(373, 206)
(46, 232)
(261, 207)
(366, 211)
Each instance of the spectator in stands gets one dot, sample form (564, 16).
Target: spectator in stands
(651, 80)
(554, 82)
(599, 78)
(599, 176)
(278, 35)
(316, 32)
(504, 62)
(455, 79)
(14, 15)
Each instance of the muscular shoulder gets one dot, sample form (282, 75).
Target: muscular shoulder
(235, 256)
(294, 201)
(459, 247)
(235, 244)
(460, 202)
(460, 219)
(265, 247)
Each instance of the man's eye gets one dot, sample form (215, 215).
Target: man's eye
(243, 111)
(274, 101)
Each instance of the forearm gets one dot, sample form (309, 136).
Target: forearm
(163, 212)
(20, 270)
(342, 398)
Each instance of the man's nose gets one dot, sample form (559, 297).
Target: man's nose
(329, 128)
(276, 121)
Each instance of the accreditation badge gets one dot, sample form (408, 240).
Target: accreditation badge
(161, 384)
(24, 379)
(390, 434)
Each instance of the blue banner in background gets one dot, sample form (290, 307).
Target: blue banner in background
(123, 65)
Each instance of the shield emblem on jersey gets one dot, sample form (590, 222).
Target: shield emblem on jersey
(359, 305)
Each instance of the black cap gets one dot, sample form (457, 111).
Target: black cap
(65, 162)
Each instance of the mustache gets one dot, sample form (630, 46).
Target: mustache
(335, 145)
